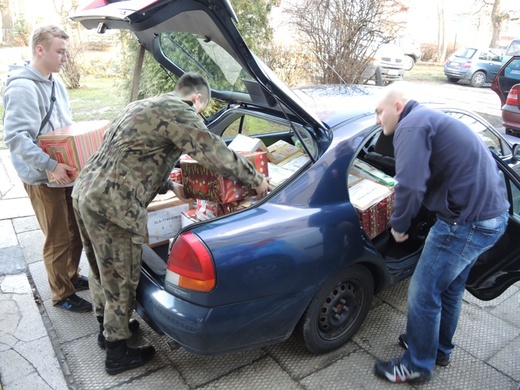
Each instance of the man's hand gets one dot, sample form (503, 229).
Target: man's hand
(399, 237)
(61, 173)
(178, 190)
(263, 189)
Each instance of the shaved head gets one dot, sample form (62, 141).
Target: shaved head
(389, 109)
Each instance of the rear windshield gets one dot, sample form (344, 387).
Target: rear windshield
(465, 53)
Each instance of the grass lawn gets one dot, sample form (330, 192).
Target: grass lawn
(426, 71)
(97, 98)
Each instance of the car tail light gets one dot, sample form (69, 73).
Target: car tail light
(512, 96)
(467, 65)
(190, 265)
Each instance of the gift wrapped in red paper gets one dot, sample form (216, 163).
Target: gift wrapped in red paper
(202, 183)
(374, 205)
(74, 144)
(176, 175)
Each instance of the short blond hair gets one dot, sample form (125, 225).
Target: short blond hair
(44, 36)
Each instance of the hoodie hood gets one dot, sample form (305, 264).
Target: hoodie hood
(23, 70)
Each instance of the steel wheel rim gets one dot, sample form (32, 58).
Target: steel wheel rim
(340, 309)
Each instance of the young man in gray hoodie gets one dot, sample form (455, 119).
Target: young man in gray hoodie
(29, 91)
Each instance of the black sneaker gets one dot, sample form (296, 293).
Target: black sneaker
(397, 372)
(133, 326)
(121, 358)
(81, 284)
(441, 360)
(74, 304)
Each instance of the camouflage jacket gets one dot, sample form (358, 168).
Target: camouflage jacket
(139, 150)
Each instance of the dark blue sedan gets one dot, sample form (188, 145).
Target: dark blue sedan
(300, 260)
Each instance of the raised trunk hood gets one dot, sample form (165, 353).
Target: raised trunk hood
(163, 25)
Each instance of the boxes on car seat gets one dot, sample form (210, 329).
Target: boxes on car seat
(374, 204)
(243, 143)
(282, 151)
(367, 171)
(74, 144)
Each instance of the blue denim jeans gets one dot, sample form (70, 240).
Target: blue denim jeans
(438, 283)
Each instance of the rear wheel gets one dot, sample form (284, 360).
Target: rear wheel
(337, 310)
(409, 62)
(478, 79)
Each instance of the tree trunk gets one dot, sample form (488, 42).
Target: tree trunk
(496, 23)
(441, 32)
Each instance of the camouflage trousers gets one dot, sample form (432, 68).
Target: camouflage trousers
(114, 255)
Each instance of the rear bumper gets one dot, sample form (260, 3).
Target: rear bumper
(223, 329)
(511, 117)
(456, 73)
(391, 74)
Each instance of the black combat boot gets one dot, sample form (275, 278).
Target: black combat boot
(120, 357)
(133, 325)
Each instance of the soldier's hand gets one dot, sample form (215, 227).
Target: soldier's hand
(178, 190)
(61, 173)
(262, 189)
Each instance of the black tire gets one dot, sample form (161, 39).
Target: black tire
(337, 310)
(379, 77)
(478, 79)
(453, 79)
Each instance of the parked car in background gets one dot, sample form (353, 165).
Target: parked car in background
(478, 66)
(507, 86)
(387, 64)
(512, 49)
(412, 51)
(300, 260)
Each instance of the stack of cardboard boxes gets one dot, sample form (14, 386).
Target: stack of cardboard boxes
(215, 195)
(372, 195)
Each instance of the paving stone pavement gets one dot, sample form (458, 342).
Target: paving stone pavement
(42, 347)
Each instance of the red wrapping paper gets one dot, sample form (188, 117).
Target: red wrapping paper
(202, 183)
(376, 219)
(74, 144)
(176, 175)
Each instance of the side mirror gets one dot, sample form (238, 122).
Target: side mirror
(516, 152)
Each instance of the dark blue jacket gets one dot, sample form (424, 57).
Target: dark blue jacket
(442, 164)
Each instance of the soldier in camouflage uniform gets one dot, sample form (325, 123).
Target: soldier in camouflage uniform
(112, 192)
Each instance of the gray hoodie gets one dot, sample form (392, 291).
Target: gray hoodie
(27, 99)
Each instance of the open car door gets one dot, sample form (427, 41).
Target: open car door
(499, 268)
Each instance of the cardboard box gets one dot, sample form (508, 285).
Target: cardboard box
(278, 174)
(367, 171)
(206, 209)
(188, 217)
(374, 204)
(295, 162)
(243, 143)
(282, 150)
(74, 144)
(164, 218)
(202, 183)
